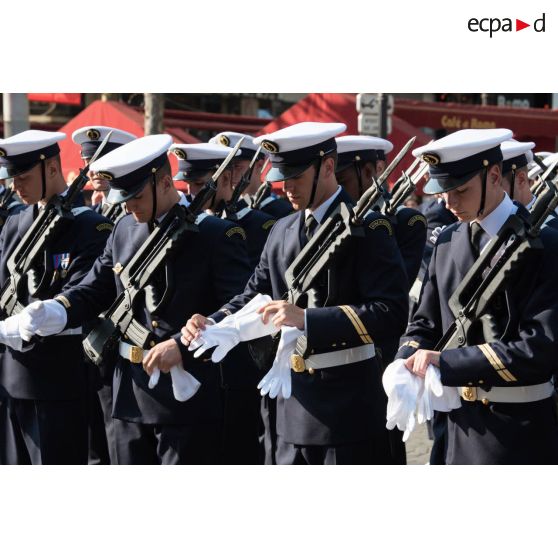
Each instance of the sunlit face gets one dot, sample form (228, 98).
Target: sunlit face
(98, 184)
(299, 189)
(238, 168)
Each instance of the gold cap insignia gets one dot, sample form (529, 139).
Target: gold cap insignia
(93, 134)
(106, 175)
(224, 140)
(2, 153)
(180, 154)
(270, 146)
(431, 158)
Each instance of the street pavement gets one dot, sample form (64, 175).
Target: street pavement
(418, 446)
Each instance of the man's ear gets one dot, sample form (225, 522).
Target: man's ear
(52, 167)
(495, 175)
(328, 166)
(522, 178)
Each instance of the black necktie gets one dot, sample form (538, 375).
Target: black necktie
(476, 235)
(310, 225)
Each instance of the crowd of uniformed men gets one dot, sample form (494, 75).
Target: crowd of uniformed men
(385, 297)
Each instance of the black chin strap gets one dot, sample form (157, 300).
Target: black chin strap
(483, 191)
(512, 182)
(358, 172)
(43, 178)
(315, 183)
(154, 192)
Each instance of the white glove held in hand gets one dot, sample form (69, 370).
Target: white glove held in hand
(278, 379)
(184, 385)
(9, 332)
(244, 325)
(43, 317)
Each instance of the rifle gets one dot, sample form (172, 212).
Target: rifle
(231, 207)
(539, 185)
(138, 274)
(332, 237)
(30, 264)
(263, 191)
(406, 185)
(113, 212)
(5, 200)
(515, 241)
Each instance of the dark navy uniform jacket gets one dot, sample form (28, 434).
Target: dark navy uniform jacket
(522, 351)
(54, 369)
(343, 404)
(209, 268)
(238, 368)
(437, 215)
(410, 234)
(276, 206)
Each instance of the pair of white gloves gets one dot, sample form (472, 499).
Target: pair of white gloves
(39, 318)
(246, 325)
(48, 317)
(412, 399)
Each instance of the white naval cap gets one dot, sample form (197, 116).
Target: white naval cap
(90, 137)
(129, 166)
(516, 154)
(230, 139)
(352, 149)
(21, 152)
(293, 149)
(534, 168)
(456, 158)
(195, 160)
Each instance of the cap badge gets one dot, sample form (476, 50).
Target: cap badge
(224, 140)
(270, 146)
(93, 134)
(431, 158)
(2, 153)
(106, 175)
(180, 154)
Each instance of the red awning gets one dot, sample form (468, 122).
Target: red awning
(341, 107)
(109, 113)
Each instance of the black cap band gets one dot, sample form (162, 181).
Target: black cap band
(514, 163)
(89, 148)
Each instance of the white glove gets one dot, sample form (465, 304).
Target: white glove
(436, 233)
(244, 325)
(44, 318)
(403, 389)
(442, 398)
(9, 332)
(278, 379)
(184, 385)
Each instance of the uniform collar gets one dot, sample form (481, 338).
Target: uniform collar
(321, 210)
(493, 222)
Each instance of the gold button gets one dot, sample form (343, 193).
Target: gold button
(311, 371)
(125, 337)
(343, 343)
(152, 343)
(481, 381)
(154, 324)
(470, 384)
(485, 401)
(334, 344)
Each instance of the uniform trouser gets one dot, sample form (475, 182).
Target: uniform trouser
(101, 428)
(268, 440)
(43, 432)
(242, 427)
(361, 453)
(156, 444)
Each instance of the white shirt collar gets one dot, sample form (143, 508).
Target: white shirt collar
(321, 210)
(493, 222)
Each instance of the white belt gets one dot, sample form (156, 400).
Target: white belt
(131, 352)
(335, 358)
(519, 394)
(73, 331)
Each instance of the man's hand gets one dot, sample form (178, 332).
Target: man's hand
(163, 356)
(282, 313)
(193, 328)
(418, 363)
